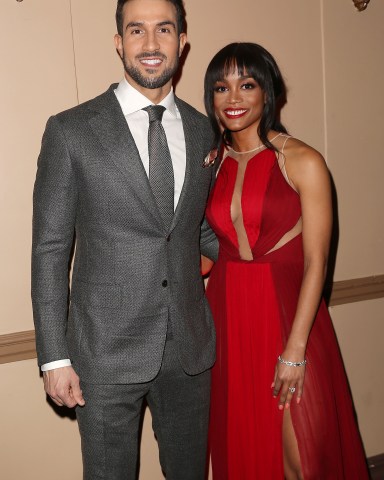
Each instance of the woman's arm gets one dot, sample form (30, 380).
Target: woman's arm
(308, 172)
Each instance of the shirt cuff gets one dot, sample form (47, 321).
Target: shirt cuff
(66, 362)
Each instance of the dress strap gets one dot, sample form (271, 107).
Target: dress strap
(281, 162)
(285, 141)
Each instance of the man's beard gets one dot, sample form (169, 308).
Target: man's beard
(151, 82)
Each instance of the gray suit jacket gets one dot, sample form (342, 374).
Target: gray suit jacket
(130, 275)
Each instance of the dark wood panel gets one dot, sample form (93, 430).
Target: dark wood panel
(376, 467)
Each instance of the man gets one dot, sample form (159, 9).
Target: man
(138, 326)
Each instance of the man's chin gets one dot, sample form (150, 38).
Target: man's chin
(150, 78)
(153, 82)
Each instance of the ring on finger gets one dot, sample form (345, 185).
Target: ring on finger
(292, 389)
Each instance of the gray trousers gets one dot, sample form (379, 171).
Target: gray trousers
(111, 419)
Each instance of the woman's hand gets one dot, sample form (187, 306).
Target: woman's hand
(288, 380)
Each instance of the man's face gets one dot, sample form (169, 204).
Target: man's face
(150, 46)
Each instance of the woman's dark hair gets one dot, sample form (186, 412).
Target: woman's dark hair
(254, 61)
(180, 15)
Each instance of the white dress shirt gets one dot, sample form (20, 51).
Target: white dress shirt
(132, 103)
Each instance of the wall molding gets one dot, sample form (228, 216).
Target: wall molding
(18, 346)
(357, 290)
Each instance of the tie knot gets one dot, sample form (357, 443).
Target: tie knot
(155, 112)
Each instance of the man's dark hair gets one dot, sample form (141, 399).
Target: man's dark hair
(180, 15)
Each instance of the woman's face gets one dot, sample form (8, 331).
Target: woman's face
(238, 102)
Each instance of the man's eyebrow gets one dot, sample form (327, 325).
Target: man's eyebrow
(161, 24)
(166, 22)
(134, 24)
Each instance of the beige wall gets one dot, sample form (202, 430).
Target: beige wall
(359, 327)
(36, 59)
(354, 79)
(58, 52)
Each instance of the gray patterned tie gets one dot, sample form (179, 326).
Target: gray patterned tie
(161, 176)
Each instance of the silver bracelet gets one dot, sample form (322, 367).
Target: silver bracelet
(291, 364)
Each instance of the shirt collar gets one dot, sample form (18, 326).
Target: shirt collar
(131, 100)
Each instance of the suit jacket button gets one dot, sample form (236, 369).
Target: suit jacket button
(169, 238)
(165, 283)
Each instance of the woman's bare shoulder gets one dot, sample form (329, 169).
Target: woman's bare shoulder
(302, 162)
(301, 155)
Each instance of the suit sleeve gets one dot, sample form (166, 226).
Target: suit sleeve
(208, 242)
(209, 245)
(54, 212)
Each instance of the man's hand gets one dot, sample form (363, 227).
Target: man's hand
(63, 386)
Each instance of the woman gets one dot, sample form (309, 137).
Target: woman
(281, 406)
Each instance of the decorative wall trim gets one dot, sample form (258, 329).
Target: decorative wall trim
(17, 346)
(357, 290)
(21, 345)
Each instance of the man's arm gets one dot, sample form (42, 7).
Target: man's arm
(209, 246)
(55, 197)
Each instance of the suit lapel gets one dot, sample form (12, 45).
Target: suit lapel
(110, 126)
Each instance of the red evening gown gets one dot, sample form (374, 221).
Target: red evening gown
(253, 305)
